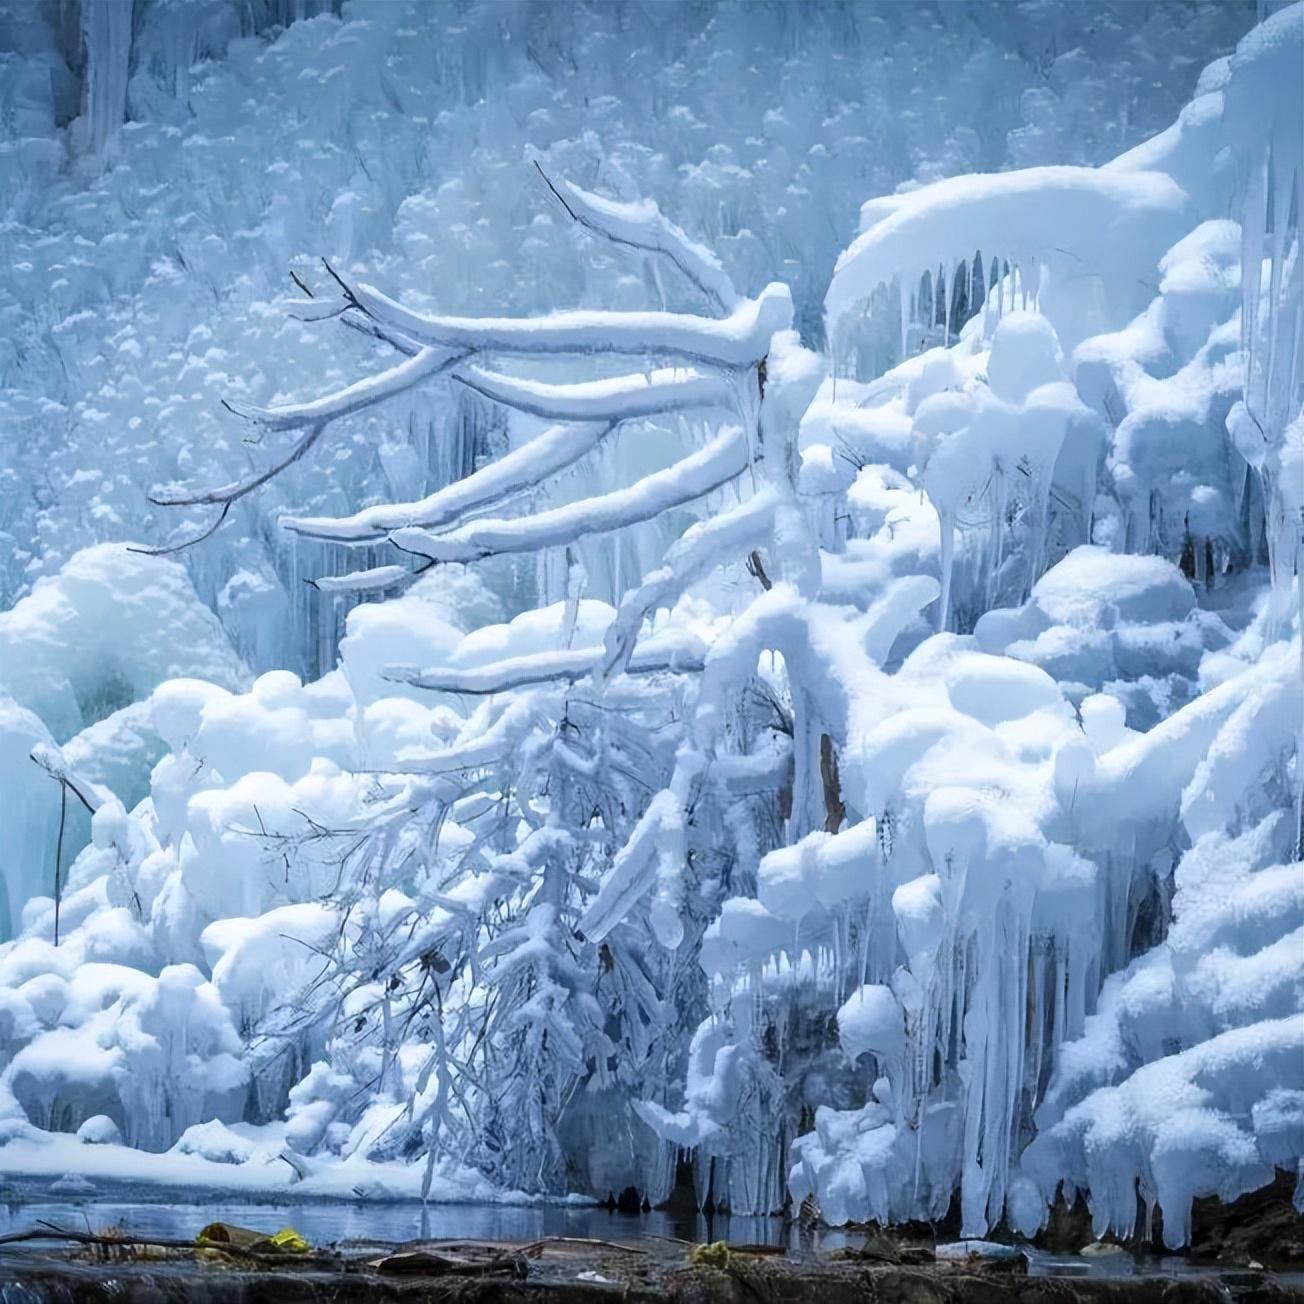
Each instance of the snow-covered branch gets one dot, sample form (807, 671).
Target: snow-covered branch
(675, 651)
(377, 579)
(425, 364)
(738, 340)
(655, 854)
(687, 480)
(497, 742)
(641, 225)
(700, 549)
(515, 472)
(621, 398)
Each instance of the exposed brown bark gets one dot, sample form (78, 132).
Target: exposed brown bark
(834, 811)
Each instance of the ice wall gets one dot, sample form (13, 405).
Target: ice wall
(264, 135)
(887, 820)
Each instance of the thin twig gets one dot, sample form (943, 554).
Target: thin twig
(185, 543)
(58, 856)
(560, 199)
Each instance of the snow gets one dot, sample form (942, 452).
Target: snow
(617, 713)
(736, 340)
(1030, 216)
(1091, 585)
(872, 1020)
(265, 1176)
(725, 457)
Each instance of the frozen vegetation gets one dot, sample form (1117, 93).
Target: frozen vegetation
(611, 669)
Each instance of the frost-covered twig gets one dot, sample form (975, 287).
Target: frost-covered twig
(642, 225)
(225, 495)
(52, 761)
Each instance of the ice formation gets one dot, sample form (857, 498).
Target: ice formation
(863, 761)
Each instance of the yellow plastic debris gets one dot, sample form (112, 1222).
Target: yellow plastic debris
(286, 1241)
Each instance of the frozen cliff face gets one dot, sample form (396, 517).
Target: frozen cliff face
(875, 773)
(198, 151)
(1170, 797)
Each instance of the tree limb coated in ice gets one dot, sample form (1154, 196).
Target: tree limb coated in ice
(515, 472)
(740, 340)
(694, 476)
(642, 225)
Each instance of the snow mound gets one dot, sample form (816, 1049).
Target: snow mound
(103, 633)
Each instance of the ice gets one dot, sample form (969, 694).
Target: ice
(1028, 217)
(872, 1020)
(602, 712)
(78, 657)
(103, 632)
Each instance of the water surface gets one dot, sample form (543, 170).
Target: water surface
(326, 1222)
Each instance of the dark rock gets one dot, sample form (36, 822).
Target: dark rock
(1263, 1226)
(1068, 1227)
(612, 1273)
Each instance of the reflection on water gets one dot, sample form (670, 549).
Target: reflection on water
(324, 1223)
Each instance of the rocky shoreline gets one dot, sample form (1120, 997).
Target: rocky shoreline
(1250, 1251)
(561, 1270)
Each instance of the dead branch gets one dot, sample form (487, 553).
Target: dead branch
(49, 1232)
(834, 810)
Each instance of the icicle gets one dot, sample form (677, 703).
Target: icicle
(906, 310)
(947, 307)
(996, 544)
(106, 37)
(1252, 231)
(946, 522)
